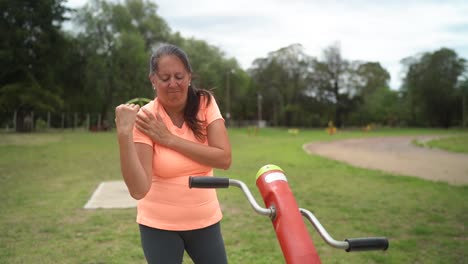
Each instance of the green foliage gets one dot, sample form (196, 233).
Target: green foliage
(144, 18)
(117, 41)
(430, 87)
(282, 79)
(103, 61)
(302, 90)
(332, 82)
(139, 101)
(40, 125)
(116, 51)
(30, 52)
(370, 77)
(462, 91)
(374, 101)
(381, 106)
(28, 95)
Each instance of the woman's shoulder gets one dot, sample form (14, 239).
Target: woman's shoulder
(151, 104)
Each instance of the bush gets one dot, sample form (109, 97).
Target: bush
(41, 124)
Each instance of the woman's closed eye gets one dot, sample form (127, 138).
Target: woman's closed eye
(166, 78)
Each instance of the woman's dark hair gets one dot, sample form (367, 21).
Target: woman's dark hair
(193, 98)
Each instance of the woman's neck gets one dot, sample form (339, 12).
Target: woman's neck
(176, 115)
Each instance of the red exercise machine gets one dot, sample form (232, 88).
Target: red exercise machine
(281, 206)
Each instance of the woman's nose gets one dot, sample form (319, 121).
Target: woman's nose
(172, 82)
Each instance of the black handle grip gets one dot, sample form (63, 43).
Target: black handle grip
(368, 243)
(208, 182)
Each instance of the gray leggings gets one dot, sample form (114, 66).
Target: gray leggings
(204, 246)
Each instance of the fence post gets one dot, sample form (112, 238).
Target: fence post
(63, 120)
(48, 120)
(87, 121)
(15, 114)
(75, 120)
(463, 111)
(259, 109)
(99, 122)
(32, 121)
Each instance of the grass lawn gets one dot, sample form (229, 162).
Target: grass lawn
(45, 180)
(455, 143)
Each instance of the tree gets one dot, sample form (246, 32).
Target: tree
(142, 16)
(382, 106)
(282, 79)
(375, 101)
(30, 52)
(116, 41)
(369, 77)
(332, 81)
(430, 86)
(462, 88)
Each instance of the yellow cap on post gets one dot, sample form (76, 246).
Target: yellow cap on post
(266, 168)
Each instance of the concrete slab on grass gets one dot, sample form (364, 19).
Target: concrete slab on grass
(111, 194)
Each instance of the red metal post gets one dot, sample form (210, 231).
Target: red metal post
(292, 234)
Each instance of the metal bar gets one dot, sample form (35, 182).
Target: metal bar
(321, 230)
(270, 212)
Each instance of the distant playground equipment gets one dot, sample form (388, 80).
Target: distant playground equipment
(252, 130)
(293, 131)
(141, 101)
(331, 129)
(368, 128)
(292, 234)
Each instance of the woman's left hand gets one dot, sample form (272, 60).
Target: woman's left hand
(153, 127)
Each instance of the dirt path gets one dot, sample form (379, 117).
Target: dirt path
(397, 155)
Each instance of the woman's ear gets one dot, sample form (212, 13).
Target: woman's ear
(152, 78)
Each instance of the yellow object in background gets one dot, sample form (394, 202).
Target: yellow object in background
(368, 128)
(331, 129)
(293, 131)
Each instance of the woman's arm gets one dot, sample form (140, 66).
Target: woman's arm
(217, 154)
(135, 158)
(136, 165)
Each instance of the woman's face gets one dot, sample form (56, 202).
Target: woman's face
(171, 81)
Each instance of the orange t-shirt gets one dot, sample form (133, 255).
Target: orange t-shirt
(170, 204)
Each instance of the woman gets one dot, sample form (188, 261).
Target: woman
(180, 133)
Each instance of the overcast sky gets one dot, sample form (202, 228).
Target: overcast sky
(382, 31)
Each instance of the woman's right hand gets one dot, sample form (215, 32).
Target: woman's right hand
(125, 115)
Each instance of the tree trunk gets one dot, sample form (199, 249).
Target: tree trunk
(338, 109)
(463, 111)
